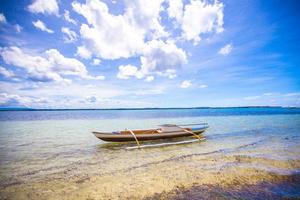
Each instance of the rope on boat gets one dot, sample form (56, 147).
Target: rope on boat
(192, 134)
(132, 133)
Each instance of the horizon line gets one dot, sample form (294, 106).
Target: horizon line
(146, 108)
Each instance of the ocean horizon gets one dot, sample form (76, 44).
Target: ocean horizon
(145, 113)
(137, 108)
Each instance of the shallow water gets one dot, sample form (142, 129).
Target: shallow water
(55, 156)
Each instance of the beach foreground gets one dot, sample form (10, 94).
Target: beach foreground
(242, 157)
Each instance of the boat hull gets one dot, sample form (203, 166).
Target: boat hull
(111, 137)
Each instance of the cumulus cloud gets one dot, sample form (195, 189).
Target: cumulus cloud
(170, 73)
(6, 73)
(96, 61)
(226, 49)
(146, 15)
(83, 52)
(201, 17)
(2, 18)
(161, 57)
(40, 25)
(149, 78)
(126, 71)
(14, 100)
(175, 9)
(51, 66)
(68, 18)
(89, 77)
(186, 84)
(97, 34)
(138, 32)
(44, 7)
(91, 99)
(140, 19)
(69, 35)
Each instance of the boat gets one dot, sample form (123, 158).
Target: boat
(166, 131)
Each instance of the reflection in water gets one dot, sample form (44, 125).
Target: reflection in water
(242, 157)
(150, 144)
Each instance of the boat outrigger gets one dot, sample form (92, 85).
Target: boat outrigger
(166, 131)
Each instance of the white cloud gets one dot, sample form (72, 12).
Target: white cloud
(83, 52)
(51, 66)
(126, 71)
(67, 66)
(96, 61)
(6, 73)
(68, 18)
(69, 35)
(226, 49)
(149, 91)
(170, 73)
(2, 18)
(75, 95)
(40, 25)
(162, 58)
(89, 77)
(44, 6)
(149, 78)
(91, 99)
(18, 28)
(186, 84)
(17, 100)
(203, 86)
(101, 35)
(146, 15)
(201, 17)
(158, 58)
(142, 33)
(175, 9)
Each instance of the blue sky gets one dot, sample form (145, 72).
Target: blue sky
(164, 53)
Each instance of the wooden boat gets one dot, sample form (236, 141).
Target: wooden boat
(166, 131)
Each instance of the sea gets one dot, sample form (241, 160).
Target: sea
(246, 153)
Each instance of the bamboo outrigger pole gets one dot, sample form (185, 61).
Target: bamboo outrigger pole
(132, 133)
(197, 136)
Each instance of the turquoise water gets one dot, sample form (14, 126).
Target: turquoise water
(57, 147)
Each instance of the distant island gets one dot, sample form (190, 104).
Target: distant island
(154, 108)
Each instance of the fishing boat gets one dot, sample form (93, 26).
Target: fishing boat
(166, 131)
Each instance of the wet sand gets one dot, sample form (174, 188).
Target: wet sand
(289, 187)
